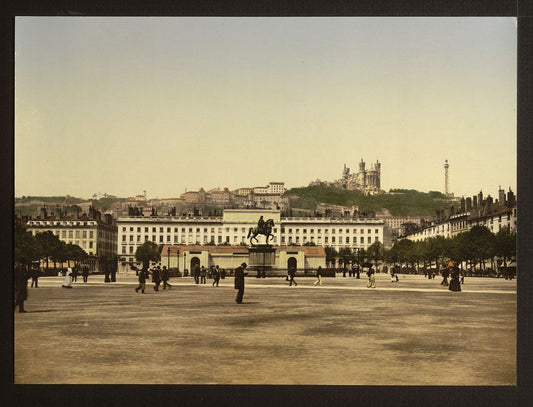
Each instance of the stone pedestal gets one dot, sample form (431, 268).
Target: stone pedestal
(262, 257)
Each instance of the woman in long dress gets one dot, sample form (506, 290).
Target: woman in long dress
(67, 282)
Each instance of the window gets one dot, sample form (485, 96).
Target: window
(84, 234)
(369, 239)
(347, 230)
(312, 230)
(154, 238)
(347, 239)
(175, 230)
(131, 249)
(219, 239)
(168, 230)
(131, 238)
(376, 239)
(333, 239)
(168, 238)
(297, 230)
(77, 234)
(235, 229)
(355, 231)
(131, 228)
(160, 238)
(161, 229)
(138, 230)
(333, 231)
(354, 240)
(154, 229)
(123, 249)
(146, 230)
(90, 245)
(290, 230)
(369, 231)
(212, 230)
(305, 230)
(362, 240)
(175, 238)
(205, 230)
(376, 231)
(123, 238)
(145, 238)
(326, 240)
(362, 231)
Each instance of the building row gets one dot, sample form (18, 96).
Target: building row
(495, 215)
(232, 229)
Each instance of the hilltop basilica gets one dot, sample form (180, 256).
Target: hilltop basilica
(365, 180)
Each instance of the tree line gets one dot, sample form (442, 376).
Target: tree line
(475, 248)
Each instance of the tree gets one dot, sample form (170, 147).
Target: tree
(345, 254)
(505, 245)
(147, 252)
(331, 255)
(49, 244)
(375, 252)
(27, 247)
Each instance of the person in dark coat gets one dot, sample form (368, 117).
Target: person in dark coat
(203, 274)
(216, 276)
(445, 275)
(196, 273)
(20, 286)
(292, 273)
(35, 274)
(156, 277)
(165, 276)
(239, 281)
(75, 273)
(85, 273)
(318, 276)
(143, 275)
(455, 283)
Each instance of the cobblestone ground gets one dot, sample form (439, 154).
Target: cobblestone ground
(413, 332)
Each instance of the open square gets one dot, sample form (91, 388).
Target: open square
(413, 332)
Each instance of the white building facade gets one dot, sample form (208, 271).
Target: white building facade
(232, 229)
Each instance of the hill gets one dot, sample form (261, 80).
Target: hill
(399, 202)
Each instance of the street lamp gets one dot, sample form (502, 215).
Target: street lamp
(184, 263)
(178, 260)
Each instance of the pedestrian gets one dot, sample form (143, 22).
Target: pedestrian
(455, 284)
(445, 275)
(216, 276)
(165, 276)
(67, 281)
(358, 272)
(240, 272)
(196, 273)
(75, 273)
(292, 273)
(143, 275)
(462, 277)
(35, 274)
(202, 275)
(85, 273)
(371, 278)
(156, 277)
(20, 286)
(222, 274)
(318, 277)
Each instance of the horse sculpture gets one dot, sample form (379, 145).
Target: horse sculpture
(266, 230)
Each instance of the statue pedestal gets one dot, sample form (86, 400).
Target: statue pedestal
(262, 257)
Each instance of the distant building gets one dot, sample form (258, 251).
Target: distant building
(364, 180)
(476, 210)
(232, 229)
(97, 236)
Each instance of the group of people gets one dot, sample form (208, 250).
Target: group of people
(200, 274)
(72, 275)
(159, 275)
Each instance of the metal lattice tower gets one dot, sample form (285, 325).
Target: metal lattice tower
(446, 166)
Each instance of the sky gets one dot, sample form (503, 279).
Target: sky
(119, 105)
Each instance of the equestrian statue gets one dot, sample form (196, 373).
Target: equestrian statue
(263, 228)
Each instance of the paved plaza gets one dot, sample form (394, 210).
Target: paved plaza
(413, 332)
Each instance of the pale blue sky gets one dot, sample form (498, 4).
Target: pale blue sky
(122, 105)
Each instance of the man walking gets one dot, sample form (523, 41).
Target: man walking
(156, 278)
(216, 276)
(318, 277)
(239, 281)
(202, 275)
(143, 274)
(292, 273)
(165, 276)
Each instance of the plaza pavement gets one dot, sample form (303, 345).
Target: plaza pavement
(411, 332)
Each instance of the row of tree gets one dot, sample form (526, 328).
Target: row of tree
(476, 248)
(45, 245)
